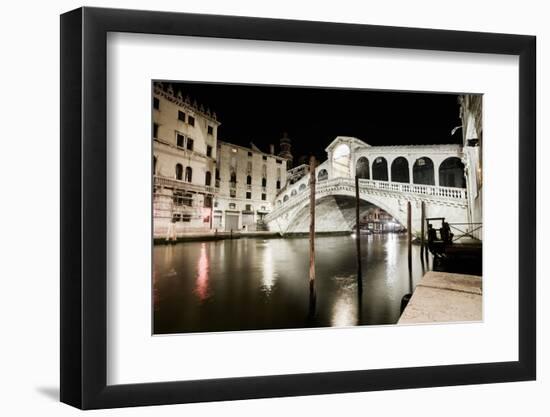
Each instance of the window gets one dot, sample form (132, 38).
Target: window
(264, 182)
(208, 201)
(248, 180)
(208, 178)
(232, 205)
(279, 161)
(185, 217)
(181, 116)
(249, 207)
(248, 195)
(179, 140)
(188, 174)
(179, 172)
(264, 158)
(182, 199)
(189, 144)
(278, 184)
(209, 151)
(249, 154)
(232, 193)
(156, 103)
(233, 179)
(264, 196)
(210, 130)
(191, 120)
(263, 208)
(155, 130)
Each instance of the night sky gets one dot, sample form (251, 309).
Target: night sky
(313, 117)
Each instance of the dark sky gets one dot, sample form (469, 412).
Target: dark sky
(313, 117)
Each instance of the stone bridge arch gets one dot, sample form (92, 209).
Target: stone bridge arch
(332, 216)
(390, 197)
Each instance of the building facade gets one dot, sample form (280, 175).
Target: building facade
(184, 163)
(249, 181)
(201, 184)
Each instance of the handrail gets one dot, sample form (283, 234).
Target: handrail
(448, 193)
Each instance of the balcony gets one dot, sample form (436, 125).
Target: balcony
(160, 181)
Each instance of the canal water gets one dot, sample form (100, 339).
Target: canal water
(254, 283)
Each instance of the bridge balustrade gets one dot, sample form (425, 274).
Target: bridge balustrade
(447, 193)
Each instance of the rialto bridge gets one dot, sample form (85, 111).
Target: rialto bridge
(389, 177)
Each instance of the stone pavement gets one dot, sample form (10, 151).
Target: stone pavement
(444, 297)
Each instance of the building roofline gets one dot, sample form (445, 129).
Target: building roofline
(223, 142)
(181, 101)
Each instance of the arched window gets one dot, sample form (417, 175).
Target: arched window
(278, 184)
(380, 169)
(293, 193)
(322, 175)
(179, 172)
(451, 173)
(233, 177)
(362, 168)
(400, 170)
(188, 174)
(208, 178)
(264, 182)
(423, 171)
(341, 161)
(302, 187)
(248, 179)
(285, 198)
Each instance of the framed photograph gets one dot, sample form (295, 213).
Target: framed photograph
(258, 208)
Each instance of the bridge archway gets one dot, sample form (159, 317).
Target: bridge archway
(336, 213)
(423, 171)
(451, 173)
(362, 168)
(380, 169)
(341, 161)
(400, 170)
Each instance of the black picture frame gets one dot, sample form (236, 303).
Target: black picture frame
(84, 207)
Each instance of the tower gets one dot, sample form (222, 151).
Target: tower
(285, 152)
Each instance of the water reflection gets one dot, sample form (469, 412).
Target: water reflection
(268, 270)
(246, 284)
(201, 288)
(344, 311)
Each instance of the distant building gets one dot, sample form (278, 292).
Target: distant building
(249, 180)
(285, 150)
(201, 183)
(379, 221)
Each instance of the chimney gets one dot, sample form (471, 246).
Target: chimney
(272, 149)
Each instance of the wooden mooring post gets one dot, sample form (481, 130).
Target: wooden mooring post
(409, 233)
(312, 226)
(422, 232)
(358, 237)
